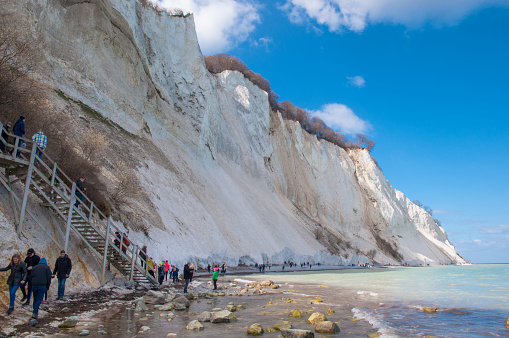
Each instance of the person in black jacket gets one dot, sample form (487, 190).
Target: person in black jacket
(17, 277)
(40, 278)
(143, 255)
(79, 191)
(3, 141)
(19, 130)
(31, 261)
(188, 275)
(63, 266)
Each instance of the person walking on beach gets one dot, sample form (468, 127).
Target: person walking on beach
(4, 140)
(31, 261)
(17, 277)
(175, 274)
(40, 278)
(79, 191)
(188, 275)
(166, 269)
(160, 273)
(215, 276)
(208, 268)
(42, 141)
(62, 270)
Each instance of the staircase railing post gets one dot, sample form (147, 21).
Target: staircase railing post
(15, 150)
(27, 188)
(91, 212)
(105, 259)
(69, 216)
(134, 258)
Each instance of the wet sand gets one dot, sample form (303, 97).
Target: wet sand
(111, 314)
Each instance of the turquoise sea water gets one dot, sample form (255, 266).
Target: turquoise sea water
(473, 301)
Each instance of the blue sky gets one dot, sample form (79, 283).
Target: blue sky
(427, 81)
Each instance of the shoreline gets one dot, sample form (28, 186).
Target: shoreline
(113, 309)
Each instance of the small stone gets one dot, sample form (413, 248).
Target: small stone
(271, 329)
(204, 316)
(295, 314)
(69, 323)
(316, 318)
(293, 333)
(102, 332)
(283, 326)
(65, 310)
(231, 303)
(180, 307)
(255, 330)
(326, 327)
(171, 335)
(274, 286)
(374, 335)
(231, 308)
(165, 307)
(84, 333)
(181, 300)
(329, 311)
(191, 295)
(429, 309)
(141, 306)
(145, 328)
(33, 322)
(100, 327)
(216, 309)
(266, 283)
(194, 326)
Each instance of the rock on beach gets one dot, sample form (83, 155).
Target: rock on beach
(293, 333)
(295, 314)
(154, 297)
(223, 316)
(326, 327)
(194, 326)
(69, 323)
(255, 330)
(316, 318)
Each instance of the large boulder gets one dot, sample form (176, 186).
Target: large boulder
(223, 316)
(326, 327)
(194, 326)
(293, 333)
(154, 297)
(204, 316)
(255, 330)
(316, 318)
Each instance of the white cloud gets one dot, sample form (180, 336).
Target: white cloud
(262, 42)
(494, 229)
(355, 15)
(340, 117)
(220, 24)
(357, 81)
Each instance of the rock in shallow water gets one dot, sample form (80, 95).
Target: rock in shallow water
(316, 318)
(223, 316)
(326, 327)
(507, 323)
(194, 326)
(293, 333)
(429, 309)
(255, 330)
(84, 333)
(295, 314)
(283, 326)
(204, 316)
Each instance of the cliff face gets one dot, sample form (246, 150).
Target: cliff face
(224, 178)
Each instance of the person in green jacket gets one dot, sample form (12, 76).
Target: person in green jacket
(215, 276)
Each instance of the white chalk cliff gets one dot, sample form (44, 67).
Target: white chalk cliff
(224, 178)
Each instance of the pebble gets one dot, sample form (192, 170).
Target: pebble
(84, 333)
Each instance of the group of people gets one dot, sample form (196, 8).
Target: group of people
(19, 130)
(35, 273)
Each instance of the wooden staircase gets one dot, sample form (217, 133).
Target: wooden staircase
(56, 191)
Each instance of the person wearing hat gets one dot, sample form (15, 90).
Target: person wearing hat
(31, 261)
(40, 279)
